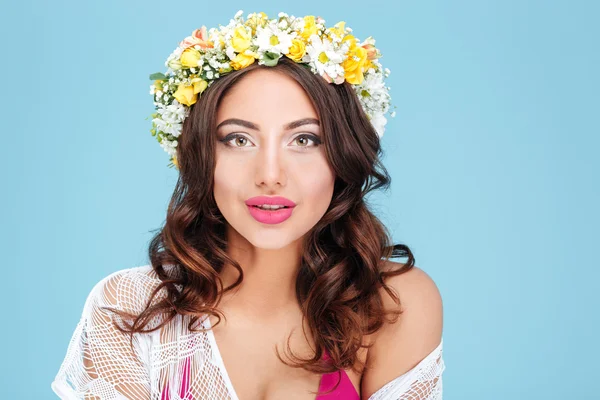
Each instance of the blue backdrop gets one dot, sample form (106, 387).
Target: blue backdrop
(493, 156)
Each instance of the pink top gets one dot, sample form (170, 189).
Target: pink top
(345, 389)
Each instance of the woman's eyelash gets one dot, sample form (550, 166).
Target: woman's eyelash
(232, 136)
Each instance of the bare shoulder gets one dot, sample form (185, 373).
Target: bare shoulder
(415, 288)
(400, 346)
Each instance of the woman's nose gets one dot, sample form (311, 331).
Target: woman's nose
(269, 166)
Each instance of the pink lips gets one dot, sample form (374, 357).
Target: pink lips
(268, 216)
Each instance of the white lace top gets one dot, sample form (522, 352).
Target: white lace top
(173, 363)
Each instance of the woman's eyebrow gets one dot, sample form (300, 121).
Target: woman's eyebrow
(300, 122)
(238, 121)
(252, 125)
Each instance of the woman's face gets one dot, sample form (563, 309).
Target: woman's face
(270, 144)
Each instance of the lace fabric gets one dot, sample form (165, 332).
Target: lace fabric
(173, 363)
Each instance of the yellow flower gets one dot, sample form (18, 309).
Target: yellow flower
(338, 29)
(355, 64)
(185, 95)
(188, 94)
(309, 27)
(158, 84)
(297, 50)
(257, 20)
(175, 162)
(355, 77)
(357, 57)
(190, 57)
(241, 39)
(175, 64)
(242, 60)
(199, 84)
(351, 39)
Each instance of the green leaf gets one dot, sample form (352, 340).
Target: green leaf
(158, 75)
(270, 59)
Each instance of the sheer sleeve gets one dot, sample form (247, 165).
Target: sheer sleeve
(423, 382)
(100, 363)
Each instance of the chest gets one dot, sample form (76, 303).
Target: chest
(234, 361)
(249, 355)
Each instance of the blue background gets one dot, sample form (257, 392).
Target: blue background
(493, 156)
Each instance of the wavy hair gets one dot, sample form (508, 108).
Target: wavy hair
(343, 255)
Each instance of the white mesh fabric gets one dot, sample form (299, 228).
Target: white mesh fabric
(169, 364)
(422, 382)
(172, 363)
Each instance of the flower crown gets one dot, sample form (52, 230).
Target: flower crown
(200, 59)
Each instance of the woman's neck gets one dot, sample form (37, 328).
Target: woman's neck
(268, 289)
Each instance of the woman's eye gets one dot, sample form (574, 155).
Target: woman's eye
(304, 138)
(234, 140)
(238, 138)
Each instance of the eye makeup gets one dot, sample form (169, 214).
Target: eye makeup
(314, 138)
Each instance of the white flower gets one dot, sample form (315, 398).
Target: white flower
(378, 121)
(215, 65)
(374, 98)
(297, 24)
(176, 53)
(230, 52)
(324, 57)
(272, 39)
(171, 117)
(168, 145)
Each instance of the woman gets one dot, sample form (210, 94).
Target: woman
(271, 279)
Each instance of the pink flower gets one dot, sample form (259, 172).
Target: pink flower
(199, 37)
(338, 79)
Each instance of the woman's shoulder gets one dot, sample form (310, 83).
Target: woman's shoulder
(126, 289)
(414, 341)
(143, 272)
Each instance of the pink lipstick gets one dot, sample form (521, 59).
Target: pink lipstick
(274, 216)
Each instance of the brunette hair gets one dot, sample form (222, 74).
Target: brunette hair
(343, 256)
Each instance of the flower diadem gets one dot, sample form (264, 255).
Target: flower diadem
(333, 53)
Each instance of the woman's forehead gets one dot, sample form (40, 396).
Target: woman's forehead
(266, 95)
